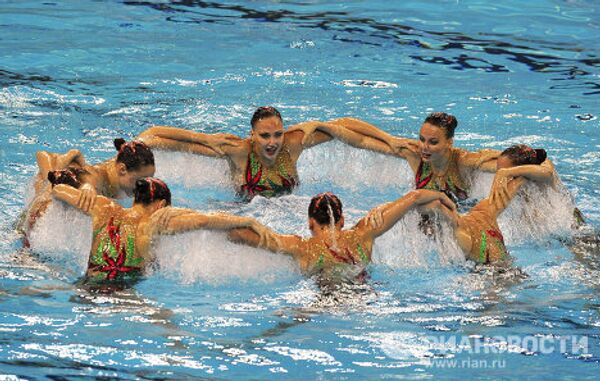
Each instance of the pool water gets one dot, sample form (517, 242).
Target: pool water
(77, 74)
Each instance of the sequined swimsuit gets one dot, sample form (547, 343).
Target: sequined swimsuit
(279, 179)
(452, 185)
(114, 258)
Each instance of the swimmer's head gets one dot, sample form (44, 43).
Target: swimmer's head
(150, 190)
(436, 136)
(267, 133)
(134, 161)
(520, 154)
(325, 209)
(70, 176)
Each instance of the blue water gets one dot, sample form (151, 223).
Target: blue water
(80, 73)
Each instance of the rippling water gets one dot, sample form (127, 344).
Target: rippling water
(78, 74)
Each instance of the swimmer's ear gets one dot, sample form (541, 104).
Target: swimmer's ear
(162, 204)
(121, 169)
(341, 222)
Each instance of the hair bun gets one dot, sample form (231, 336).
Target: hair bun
(118, 142)
(541, 155)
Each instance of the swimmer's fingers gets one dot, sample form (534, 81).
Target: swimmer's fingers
(401, 144)
(447, 202)
(87, 198)
(487, 155)
(500, 195)
(308, 128)
(375, 218)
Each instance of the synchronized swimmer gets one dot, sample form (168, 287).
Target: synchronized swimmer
(265, 164)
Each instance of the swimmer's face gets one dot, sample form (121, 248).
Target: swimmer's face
(433, 143)
(504, 162)
(267, 136)
(127, 178)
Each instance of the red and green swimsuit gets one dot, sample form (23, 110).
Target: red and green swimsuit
(424, 179)
(269, 182)
(115, 257)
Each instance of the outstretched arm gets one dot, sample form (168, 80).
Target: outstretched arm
(179, 139)
(277, 243)
(402, 147)
(391, 212)
(177, 220)
(311, 133)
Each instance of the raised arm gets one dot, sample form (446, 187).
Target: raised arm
(503, 191)
(391, 212)
(48, 161)
(179, 139)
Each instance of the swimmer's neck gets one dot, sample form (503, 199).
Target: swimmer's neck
(112, 177)
(441, 165)
(142, 210)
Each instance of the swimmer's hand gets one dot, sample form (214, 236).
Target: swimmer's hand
(500, 195)
(87, 197)
(308, 128)
(486, 155)
(400, 145)
(266, 236)
(375, 217)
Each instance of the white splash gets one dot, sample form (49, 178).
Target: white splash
(354, 169)
(209, 257)
(63, 234)
(406, 246)
(536, 214)
(192, 170)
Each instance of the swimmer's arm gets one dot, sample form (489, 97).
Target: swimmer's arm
(503, 191)
(55, 162)
(483, 160)
(179, 139)
(391, 212)
(309, 134)
(451, 214)
(72, 195)
(543, 173)
(397, 146)
(277, 243)
(176, 220)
